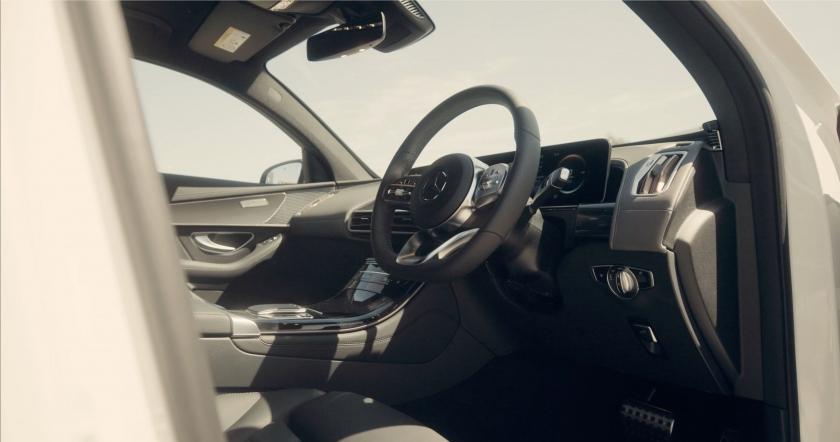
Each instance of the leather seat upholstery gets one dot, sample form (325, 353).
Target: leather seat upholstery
(312, 415)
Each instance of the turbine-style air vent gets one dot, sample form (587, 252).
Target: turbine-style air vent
(659, 175)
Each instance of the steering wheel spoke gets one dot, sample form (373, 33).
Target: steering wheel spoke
(425, 246)
(490, 185)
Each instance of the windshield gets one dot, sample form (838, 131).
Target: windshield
(586, 69)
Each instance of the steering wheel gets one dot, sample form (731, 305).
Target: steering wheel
(463, 207)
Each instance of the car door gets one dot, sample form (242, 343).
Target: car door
(234, 181)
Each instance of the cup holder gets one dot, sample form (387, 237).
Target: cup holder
(280, 311)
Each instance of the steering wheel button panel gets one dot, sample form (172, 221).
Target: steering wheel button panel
(400, 191)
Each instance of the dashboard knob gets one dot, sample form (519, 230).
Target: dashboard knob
(622, 282)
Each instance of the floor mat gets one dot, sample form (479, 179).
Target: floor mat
(516, 398)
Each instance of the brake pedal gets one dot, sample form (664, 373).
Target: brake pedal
(642, 422)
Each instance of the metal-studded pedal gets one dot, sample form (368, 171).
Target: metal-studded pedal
(642, 422)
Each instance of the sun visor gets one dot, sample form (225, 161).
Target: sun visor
(236, 31)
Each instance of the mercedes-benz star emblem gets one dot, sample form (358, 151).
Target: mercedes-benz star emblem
(434, 187)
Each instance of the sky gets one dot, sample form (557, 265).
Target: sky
(197, 129)
(816, 25)
(586, 69)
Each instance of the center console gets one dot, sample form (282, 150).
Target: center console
(369, 296)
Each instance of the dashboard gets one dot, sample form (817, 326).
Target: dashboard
(629, 268)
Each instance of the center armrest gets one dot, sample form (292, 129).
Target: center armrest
(212, 320)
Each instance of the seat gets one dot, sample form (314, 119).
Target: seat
(313, 415)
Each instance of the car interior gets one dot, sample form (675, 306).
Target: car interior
(588, 290)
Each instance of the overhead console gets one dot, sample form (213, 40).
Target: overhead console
(240, 31)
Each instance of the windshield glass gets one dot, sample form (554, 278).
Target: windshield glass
(586, 69)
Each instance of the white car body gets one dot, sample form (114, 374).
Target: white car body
(805, 108)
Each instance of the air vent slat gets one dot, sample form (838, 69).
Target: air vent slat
(657, 178)
(712, 129)
(360, 221)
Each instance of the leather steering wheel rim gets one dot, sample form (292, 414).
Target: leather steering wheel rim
(507, 210)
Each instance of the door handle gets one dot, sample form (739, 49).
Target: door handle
(263, 251)
(221, 242)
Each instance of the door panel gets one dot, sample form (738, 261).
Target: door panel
(244, 206)
(219, 268)
(274, 265)
(305, 270)
(247, 210)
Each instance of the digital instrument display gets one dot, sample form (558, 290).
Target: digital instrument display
(586, 168)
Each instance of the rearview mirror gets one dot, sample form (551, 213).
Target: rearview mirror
(346, 39)
(287, 172)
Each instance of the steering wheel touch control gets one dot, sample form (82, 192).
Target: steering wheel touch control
(623, 281)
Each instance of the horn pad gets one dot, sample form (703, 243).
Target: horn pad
(441, 190)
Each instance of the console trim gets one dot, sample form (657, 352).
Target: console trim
(394, 309)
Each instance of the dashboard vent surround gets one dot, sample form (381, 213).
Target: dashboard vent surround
(658, 176)
(712, 130)
(360, 222)
(614, 179)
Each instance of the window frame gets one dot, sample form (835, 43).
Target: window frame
(315, 169)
